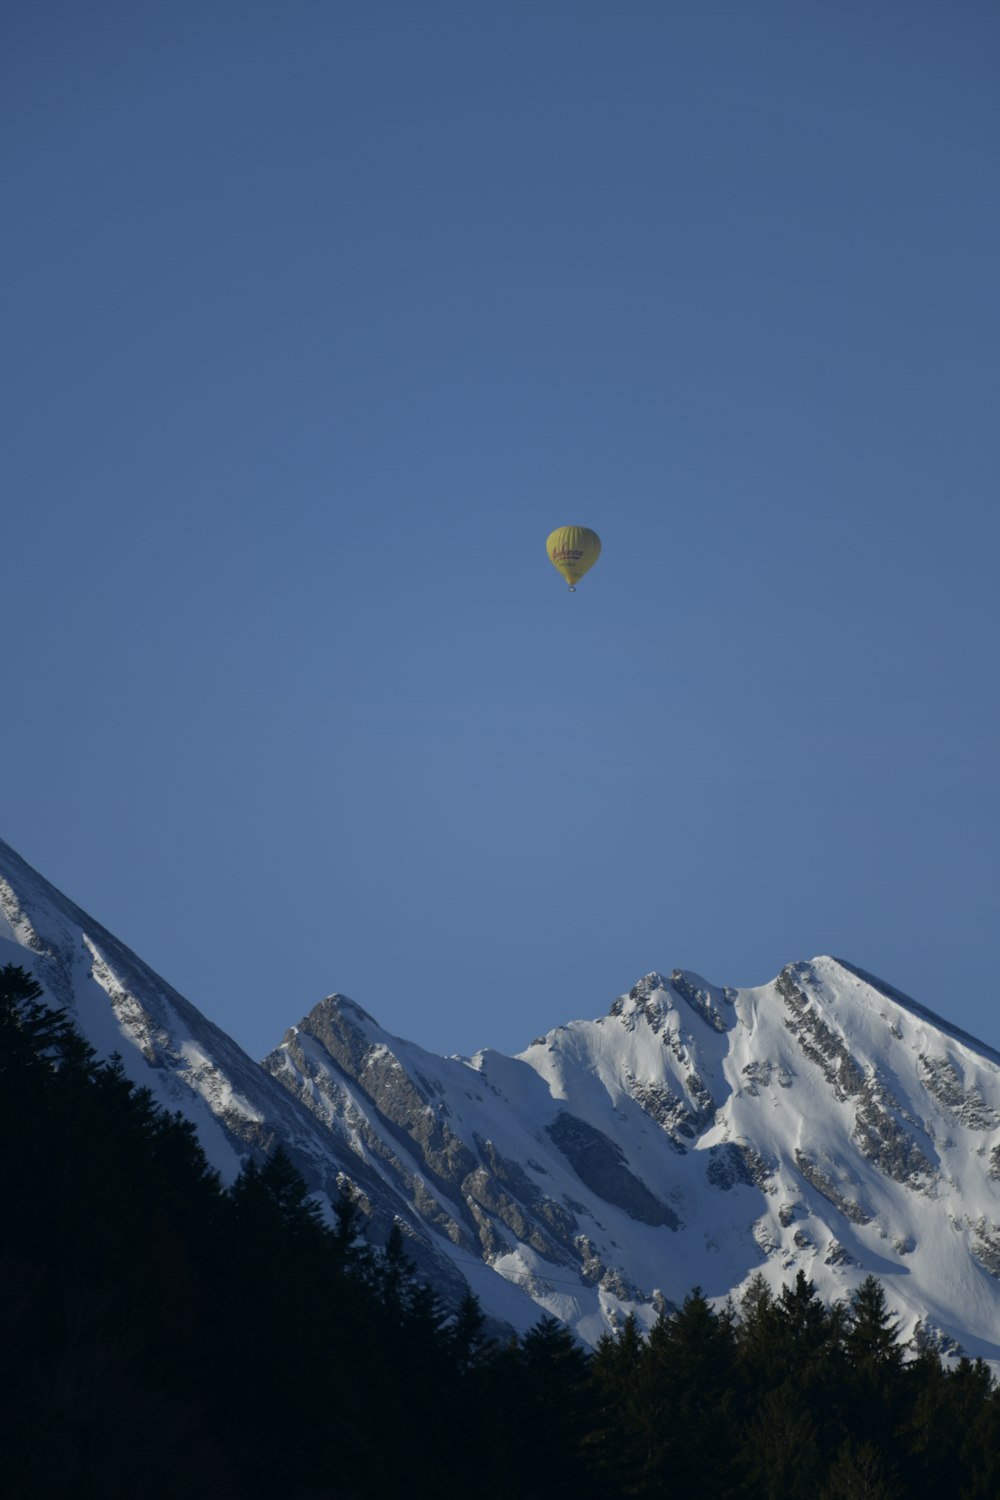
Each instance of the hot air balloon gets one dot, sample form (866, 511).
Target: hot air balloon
(573, 550)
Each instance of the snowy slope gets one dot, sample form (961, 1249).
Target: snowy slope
(693, 1135)
(166, 1045)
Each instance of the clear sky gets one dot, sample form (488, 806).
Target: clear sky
(318, 317)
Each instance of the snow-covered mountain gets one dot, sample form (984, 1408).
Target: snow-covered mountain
(693, 1135)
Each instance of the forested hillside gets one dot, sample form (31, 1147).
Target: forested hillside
(163, 1336)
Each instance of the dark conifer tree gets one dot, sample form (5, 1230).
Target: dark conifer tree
(33, 1036)
(980, 1449)
(351, 1252)
(559, 1406)
(467, 1339)
(690, 1410)
(875, 1392)
(86, 1165)
(860, 1471)
(974, 1404)
(616, 1370)
(872, 1339)
(810, 1332)
(782, 1450)
(929, 1437)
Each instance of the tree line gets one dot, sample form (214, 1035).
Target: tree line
(162, 1336)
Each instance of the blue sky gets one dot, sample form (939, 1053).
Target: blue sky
(317, 318)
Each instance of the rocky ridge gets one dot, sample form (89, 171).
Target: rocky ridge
(692, 1135)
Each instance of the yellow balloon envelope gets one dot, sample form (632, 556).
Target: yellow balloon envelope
(573, 550)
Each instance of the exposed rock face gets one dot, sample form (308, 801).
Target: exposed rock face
(986, 1245)
(759, 1075)
(965, 1103)
(679, 1121)
(927, 1336)
(825, 1185)
(646, 998)
(880, 1137)
(736, 1162)
(818, 1041)
(703, 1001)
(878, 1132)
(415, 1118)
(600, 1164)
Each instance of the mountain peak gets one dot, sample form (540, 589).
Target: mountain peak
(344, 1004)
(655, 997)
(823, 1123)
